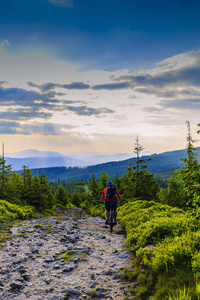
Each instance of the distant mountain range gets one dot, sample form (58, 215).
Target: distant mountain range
(44, 159)
(159, 163)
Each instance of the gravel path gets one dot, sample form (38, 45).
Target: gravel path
(68, 256)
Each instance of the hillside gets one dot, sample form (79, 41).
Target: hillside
(47, 159)
(163, 162)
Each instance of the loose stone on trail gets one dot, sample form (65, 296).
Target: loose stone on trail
(67, 256)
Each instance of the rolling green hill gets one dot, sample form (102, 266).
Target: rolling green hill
(161, 163)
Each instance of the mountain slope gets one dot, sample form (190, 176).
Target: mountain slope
(167, 161)
(44, 159)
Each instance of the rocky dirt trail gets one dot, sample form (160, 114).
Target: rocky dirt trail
(67, 256)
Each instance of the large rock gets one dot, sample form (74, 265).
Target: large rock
(99, 293)
(16, 285)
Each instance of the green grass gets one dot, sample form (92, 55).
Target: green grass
(40, 255)
(166, 244)
(8, 214)
(70, 254)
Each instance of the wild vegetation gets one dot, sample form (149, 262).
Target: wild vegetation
(161, 164)
(164, 235)
(162, 224)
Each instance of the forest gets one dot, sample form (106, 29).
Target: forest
(162, 224)
(160, 165)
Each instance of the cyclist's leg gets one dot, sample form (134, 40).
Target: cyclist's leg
(107, 211)
(115, 215)
(115, 205)
(107, 214)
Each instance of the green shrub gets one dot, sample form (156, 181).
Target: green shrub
(11, 212)
(97, 210)
(166, 244)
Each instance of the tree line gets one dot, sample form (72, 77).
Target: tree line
(164, 219)
(183, 189)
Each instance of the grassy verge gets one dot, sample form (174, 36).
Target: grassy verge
(165, 242)
(71, 254)
(9, 213)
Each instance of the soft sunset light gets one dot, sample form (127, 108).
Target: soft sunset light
(89, 76)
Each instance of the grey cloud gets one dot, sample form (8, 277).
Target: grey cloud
(24, 114)
(152, 109)
(50, 86)
(32, 105)
(184, 104)
(72, 101)
(112, 86)
(62, 3)
(43, 87)
(161, 84)
(20, 96)
(76, 85)
(190, 92)
(88, 111)
(11, 128)
(133, 97)
(48, 128)
(168, 93)
(182, 76)
(7, 127)
(178, 104)
(164, 120)
(3, 82)
(158, 93)
(4, 43)
(52, 94)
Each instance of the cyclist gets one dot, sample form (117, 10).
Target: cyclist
(110, 202)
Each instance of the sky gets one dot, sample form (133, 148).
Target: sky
(91, 76)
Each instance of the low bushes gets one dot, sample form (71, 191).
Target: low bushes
(166, 245)
(97, 210)
(9, 211)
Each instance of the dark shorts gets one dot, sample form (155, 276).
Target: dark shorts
(111, 205)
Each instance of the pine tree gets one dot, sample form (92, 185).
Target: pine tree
(5, 171)
(27, 183)
(62, 196)
(190, 175)
(94, 187)
(138, 148)
(14, 188)
(103, 179)
(93, 197)
(138, 183)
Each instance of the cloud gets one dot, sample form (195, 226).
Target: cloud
(50, 86)
(48, 128)
(4, 43)
(152, 109)
(12, 127)
(161, 81)
(166, 106)
(23, 105)
(62, 3)
(111, 86)
(76, 85)
(188, 75)
(158, 93)
(23, 114)
(88, 111)
(26, 105)
(3, 82)
(7, 127)
(20, 96)
(183, 104)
